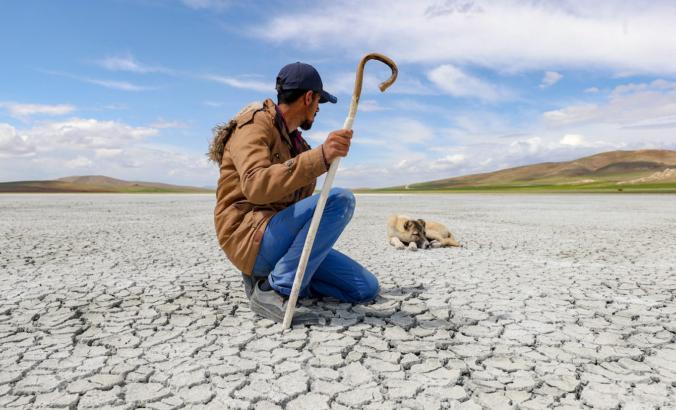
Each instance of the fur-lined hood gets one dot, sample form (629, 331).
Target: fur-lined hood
(223, 131)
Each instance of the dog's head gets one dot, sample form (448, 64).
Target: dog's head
(414, 229)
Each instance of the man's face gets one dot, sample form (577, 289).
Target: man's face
(312, 108)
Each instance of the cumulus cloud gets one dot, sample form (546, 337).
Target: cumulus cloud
(572, 140)
(550, 78)
(455, 82)
(87, 133)
(112, 148)
(638, 115)
(631, 36)
(24, 111)
(13, 145)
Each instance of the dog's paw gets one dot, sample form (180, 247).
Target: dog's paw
(412, 246)
(399, 247)
(435, 244)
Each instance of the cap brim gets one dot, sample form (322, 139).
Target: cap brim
(325, 97)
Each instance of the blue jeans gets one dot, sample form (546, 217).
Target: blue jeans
(328, 272)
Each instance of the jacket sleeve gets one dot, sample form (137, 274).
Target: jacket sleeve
(262, 181)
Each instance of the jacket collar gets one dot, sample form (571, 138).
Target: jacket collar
(278, 120)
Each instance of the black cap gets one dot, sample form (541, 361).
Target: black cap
(301, 76)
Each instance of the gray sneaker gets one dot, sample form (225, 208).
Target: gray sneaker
(272, 305)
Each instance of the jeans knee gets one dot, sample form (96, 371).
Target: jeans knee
(342, 198)
(370, 289)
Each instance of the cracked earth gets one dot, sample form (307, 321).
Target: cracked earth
(556, 301)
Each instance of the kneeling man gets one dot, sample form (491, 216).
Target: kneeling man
(265, 204)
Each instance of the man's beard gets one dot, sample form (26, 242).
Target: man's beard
(306, 125)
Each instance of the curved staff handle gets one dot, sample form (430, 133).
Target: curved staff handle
(328, 182)
(358, 84)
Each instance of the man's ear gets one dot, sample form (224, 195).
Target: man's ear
(308, 97)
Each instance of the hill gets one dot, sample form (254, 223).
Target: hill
(95, 183)
(652, 170)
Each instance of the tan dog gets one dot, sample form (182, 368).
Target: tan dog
(413, 234)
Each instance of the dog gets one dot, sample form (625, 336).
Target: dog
(413, 234)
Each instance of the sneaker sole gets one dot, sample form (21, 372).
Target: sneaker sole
(267, 313)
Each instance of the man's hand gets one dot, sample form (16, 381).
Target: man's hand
(337, 144)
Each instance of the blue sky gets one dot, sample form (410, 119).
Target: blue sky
(132, 89)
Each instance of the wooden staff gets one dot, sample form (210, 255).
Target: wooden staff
(328, 182)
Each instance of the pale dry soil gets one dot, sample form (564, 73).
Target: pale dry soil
(556, 301)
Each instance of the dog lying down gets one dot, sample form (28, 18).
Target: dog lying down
(413, 234)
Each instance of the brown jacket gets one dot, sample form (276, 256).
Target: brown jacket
(258, 178)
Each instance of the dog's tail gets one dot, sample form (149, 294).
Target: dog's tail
(449, 242)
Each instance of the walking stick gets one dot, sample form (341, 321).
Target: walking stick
(319, 210)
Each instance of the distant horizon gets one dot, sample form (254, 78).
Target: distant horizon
(477, 91)
(319, 185)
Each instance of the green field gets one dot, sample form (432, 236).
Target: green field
(542, 188)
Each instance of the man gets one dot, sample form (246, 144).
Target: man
(265, 204)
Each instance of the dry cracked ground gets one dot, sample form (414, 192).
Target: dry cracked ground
(556, 301)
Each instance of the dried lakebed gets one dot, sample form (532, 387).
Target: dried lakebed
(126, 301)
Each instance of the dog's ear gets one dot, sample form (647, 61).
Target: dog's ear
(407, 225)
(422, 222)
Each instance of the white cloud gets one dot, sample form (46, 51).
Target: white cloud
(216, 5)
(113, 148)
(550, 78)
(454, 81)
(254, 85)
(127, 62)
(591, 90)
(667, 121)
(572, 140)
(117, 85)
(399, 132)
(13, 145)
(448, 162)
(632, 116)
(107, 152)
(658, 85)
(638, 105)
(371, 106)
(86, 133)
(79, 162)
(508, 35)
(23, 111)
(571, 114)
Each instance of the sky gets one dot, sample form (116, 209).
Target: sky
(132, 88)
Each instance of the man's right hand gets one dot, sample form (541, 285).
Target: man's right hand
(337, 144)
